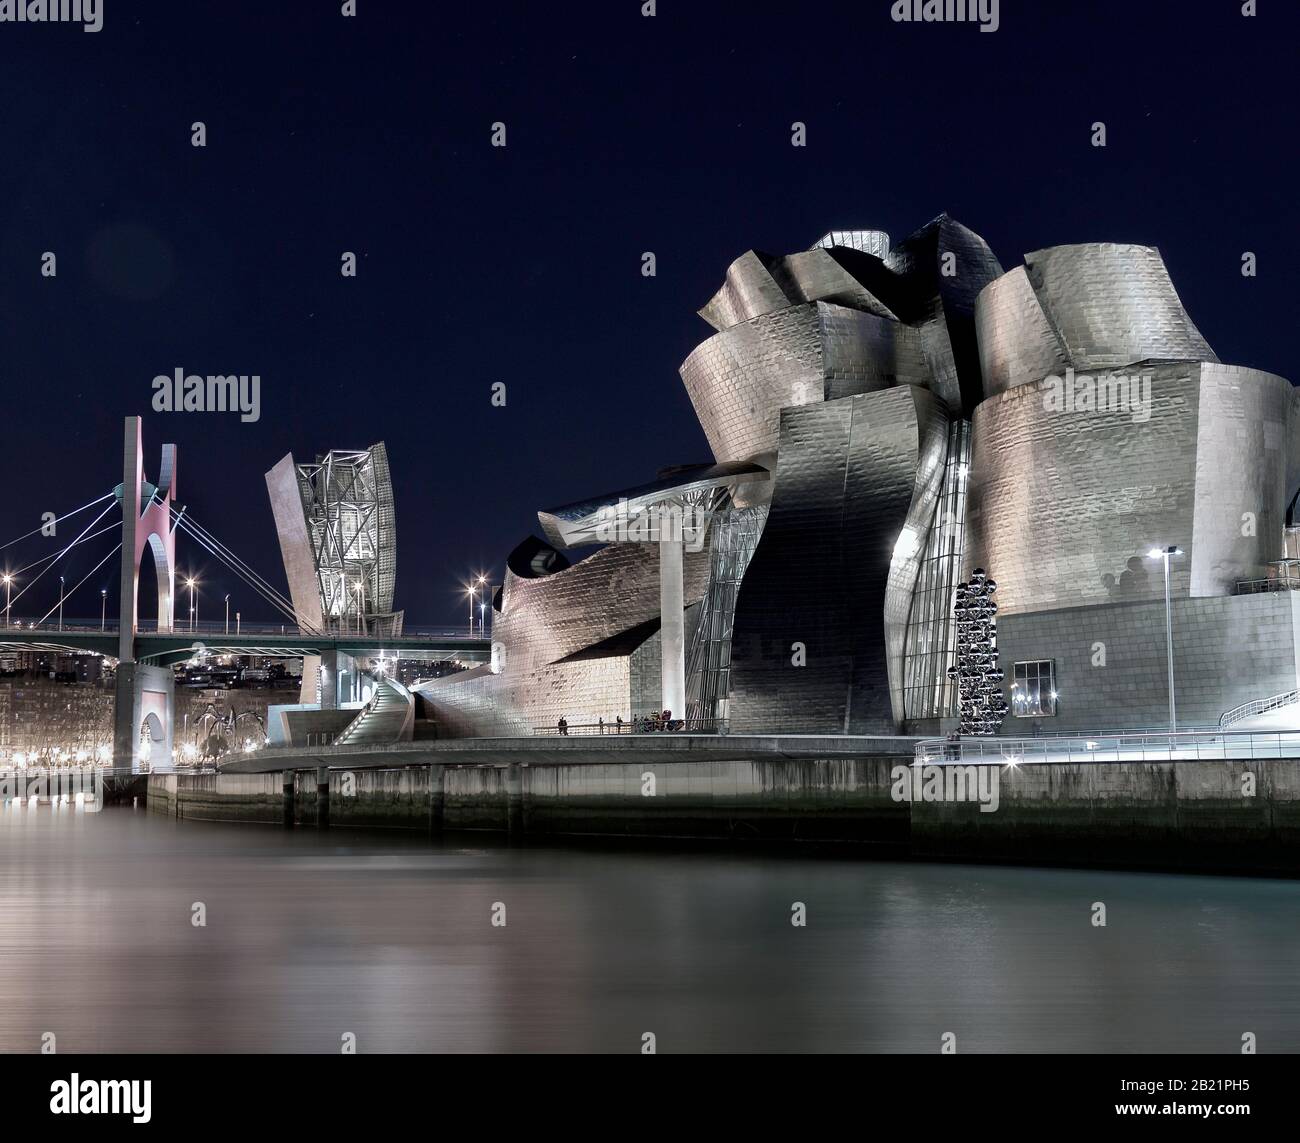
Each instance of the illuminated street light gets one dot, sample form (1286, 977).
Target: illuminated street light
(472, 592)
(482, 607)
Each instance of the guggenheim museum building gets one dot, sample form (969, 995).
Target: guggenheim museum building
(885, 419)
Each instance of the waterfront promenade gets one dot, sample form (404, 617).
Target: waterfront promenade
(1224, 814)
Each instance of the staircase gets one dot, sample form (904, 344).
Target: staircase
(391, 718)
(1258, 706)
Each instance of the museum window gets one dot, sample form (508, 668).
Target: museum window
(1033, 689)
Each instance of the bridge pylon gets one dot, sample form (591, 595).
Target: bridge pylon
(145, 704)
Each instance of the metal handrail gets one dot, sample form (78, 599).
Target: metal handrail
(237, 630)
(638, 726)
(1258, 706)
(1278, 583)
(1183, 745)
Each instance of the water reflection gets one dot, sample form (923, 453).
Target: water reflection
(310, 937)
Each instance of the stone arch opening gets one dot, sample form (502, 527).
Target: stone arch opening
(153, 588)
(153, 736)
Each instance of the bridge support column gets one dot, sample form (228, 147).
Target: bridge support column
(329, 680)
(144, 709)
(437, 798)
(307, 689)
(145, 695)
(286, 787)
(338, 679)
(323, 798)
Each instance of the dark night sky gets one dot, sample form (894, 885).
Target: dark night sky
(522, 264)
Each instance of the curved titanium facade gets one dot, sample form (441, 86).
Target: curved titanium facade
(1112, 304)
(922, 413)
(1065, 503)
(749, 291)
(942, 268)
(1017, 342)
(1094, 306)
(820, 276)
(844, 318)
(708, 664)
(740, 380)
(830, 573)
(578, 643)
(930, 646)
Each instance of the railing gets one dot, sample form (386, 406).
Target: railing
(1152, 746)
(1258, 706)
(637, 726)
(1278, 583)
(84, 626)
(237, 630)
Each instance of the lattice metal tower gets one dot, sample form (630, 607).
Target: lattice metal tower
(347, 499)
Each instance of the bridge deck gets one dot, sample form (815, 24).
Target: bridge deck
(177, 645)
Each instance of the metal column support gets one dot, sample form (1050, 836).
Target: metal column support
(672, 626)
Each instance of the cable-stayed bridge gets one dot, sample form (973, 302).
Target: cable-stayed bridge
(149, 523)
(283, 641)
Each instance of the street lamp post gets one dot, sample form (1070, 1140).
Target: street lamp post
(1164, 554)
(227, 614)
(103, 607)
(9, 583)
(479, 584)
(60, 603)
(194, 613)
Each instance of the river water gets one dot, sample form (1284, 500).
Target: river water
(309, 938)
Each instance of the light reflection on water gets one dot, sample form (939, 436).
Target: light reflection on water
(309, 937)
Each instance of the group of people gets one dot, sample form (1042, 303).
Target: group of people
(659, 720)
(650, 723)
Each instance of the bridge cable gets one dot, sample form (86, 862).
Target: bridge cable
(222, 552)
(192, 525)
(68, 595)
(55, 555)
(252, 580)
(203, 543)
(59, 555)
(267, 595)
(57, 520)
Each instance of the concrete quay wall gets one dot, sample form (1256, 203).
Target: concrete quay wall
(1128, 813)
(802, 799)
(1194, 815)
